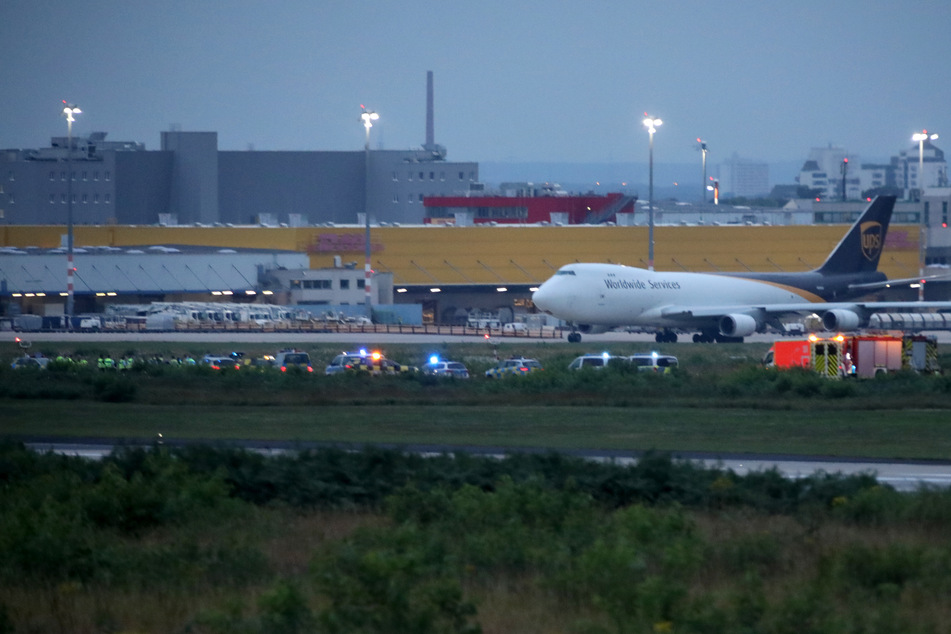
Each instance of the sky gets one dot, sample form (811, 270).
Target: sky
(515, 81)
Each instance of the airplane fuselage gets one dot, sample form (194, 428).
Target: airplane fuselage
(616, 295)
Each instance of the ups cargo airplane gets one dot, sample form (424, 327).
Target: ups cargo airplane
(729, 306)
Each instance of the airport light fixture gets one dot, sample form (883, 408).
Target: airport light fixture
(367, 117)
(68, 111)
(921, 137)
(651, 124)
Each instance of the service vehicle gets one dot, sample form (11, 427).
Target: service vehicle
(516, 366)
(653, 362)
(515, 328)
(293, 359)
(855, 355)
(442, 367)
(594, 361)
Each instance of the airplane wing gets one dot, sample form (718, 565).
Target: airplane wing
(891, 283)
(801, 308)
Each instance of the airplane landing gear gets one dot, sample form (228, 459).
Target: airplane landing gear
(666, 336)
(574, 337)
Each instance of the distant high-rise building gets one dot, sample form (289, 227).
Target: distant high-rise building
(741, 177)
(934, 168)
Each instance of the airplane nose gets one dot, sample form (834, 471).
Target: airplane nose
(541, 297)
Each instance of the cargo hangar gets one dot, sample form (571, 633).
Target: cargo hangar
(289, 227)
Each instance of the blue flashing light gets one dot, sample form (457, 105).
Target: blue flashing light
(363, 352)
(434, 359)
(606, 355)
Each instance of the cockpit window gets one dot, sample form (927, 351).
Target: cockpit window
(565, 272)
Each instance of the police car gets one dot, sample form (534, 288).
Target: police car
(374, 363)
(594, 361)
(516, 366)
(442, 367)
(653, 362)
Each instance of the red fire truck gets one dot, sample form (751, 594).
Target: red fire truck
(855, 355)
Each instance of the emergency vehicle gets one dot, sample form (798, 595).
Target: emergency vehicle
(856, 355)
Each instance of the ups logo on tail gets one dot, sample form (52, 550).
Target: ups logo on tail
(871, 233)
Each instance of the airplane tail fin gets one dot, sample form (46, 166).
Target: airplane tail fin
(861, 248)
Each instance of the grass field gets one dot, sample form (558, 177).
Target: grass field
(719, 402)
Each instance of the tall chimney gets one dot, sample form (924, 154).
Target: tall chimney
(430, 127)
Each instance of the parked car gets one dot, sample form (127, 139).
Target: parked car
(516, 366)
(437, 367)
(27, 361)
(219, 362)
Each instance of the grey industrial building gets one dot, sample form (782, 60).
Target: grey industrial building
(191, 181)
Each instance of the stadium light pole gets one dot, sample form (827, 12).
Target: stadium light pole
(367, 117)
(921, 137)
(651, 124)
(68, 111)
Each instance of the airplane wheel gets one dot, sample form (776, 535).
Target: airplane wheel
(574, 337)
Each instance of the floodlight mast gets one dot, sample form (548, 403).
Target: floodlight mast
(68, 111)
(921, 137)
(367, 117)
(651, 124)
(703, 160)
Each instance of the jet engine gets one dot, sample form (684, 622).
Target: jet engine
(840, 319)
(737, 325)
(590, 329)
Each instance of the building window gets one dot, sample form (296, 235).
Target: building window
(421, 176)
(442, 176)
(420, 198)
(95, 175)
(107, 198)
(62, 199)
(361, 284)
(52, 198)
(432, 176)
(395, 177)
(85, 199)
(409, 176)
(409, 198)
(344, 284)
(461, 176)
(927, 213)
(107, 175)
(396, 198)
(10, 174)
(85, 175)
(62, 176)
(295, 284)
(95, 199)
(52, 176)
